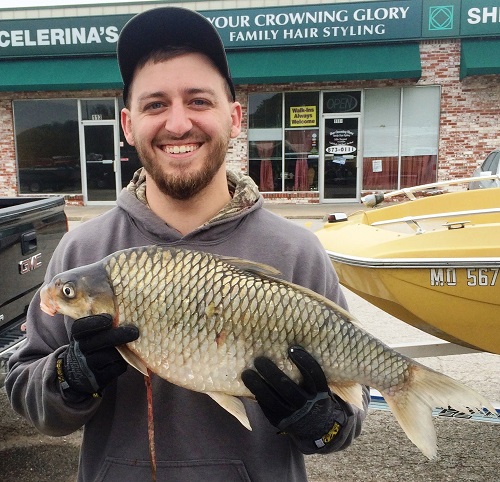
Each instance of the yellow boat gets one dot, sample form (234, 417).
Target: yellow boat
(432, 262)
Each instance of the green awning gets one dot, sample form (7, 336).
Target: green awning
(79, 73)
(266, 66)
(389, 61)
(479, 57)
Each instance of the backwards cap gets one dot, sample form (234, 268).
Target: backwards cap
(164, 28)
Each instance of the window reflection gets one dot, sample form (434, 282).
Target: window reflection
(265, 164)
(264, 111)
(301, 160)
(129, 159)
(47, 144)
(265, 140)
(98, 109)
(401, 137)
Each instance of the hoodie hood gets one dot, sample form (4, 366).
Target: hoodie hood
(245, 198)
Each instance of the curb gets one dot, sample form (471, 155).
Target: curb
(289, 211)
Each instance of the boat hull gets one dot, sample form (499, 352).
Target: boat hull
(452, 314)
(442, 279)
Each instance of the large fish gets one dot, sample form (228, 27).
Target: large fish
(203, 319)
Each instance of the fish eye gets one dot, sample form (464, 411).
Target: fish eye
(68, 290)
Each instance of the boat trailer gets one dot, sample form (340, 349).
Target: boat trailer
(437, 348)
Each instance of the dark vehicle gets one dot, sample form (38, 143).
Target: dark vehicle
(490, 166)
(55, 178)
(30, 230)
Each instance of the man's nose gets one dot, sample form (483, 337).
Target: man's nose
(178, 121)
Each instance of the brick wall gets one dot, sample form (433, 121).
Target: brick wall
(470, 109)
(470, 113)
(7, 155)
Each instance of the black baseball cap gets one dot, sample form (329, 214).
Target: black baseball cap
(165, 27)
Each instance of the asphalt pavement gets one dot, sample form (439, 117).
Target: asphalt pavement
(468, 450)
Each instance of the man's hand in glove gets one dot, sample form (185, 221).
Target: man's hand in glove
(308, 412)
(91, 361)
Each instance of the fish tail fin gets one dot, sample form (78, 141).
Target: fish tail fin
(412, 404)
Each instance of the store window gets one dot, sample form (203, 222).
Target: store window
(283, 136)
(129, 159)
(265, 134)
(98, 109)
(400, 137)
(47, 143)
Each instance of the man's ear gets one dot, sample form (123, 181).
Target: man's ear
(236, 116)
(126, 125)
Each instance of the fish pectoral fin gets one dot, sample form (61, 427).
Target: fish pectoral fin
(233, 405)
(349, 392)
(132, 359)
(259, 269)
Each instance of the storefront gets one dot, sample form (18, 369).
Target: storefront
(339, 99)
(338, 143)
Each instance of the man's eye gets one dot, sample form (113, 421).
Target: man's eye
(200, 102)
(155, 105)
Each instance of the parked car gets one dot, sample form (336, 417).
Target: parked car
(490, 166)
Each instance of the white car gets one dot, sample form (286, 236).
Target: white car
(490, 166)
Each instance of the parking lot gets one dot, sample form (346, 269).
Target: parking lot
(468, 450)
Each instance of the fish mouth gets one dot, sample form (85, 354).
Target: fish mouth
(180, 148)
(47, 302)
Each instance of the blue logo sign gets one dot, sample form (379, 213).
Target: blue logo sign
(441, 18)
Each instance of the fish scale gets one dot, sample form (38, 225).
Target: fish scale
(203, 319)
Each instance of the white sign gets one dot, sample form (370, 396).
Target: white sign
(340, 149)
(377, 165)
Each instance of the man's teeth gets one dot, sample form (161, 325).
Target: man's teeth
(180, 149)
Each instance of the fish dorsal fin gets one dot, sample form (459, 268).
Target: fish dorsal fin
(349, 392)
(259, 269)
(233, 405)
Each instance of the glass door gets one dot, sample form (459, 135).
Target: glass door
(340, 158)
(100, 163)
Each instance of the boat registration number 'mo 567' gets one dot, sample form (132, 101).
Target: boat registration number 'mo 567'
(473, 276)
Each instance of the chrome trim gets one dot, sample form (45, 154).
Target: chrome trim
(405, 219)
(372, 200)
(414, 263)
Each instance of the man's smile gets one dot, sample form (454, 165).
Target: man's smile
(180, 149)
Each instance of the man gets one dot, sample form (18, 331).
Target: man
(180, 115)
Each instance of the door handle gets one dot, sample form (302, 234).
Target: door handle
(28, 242)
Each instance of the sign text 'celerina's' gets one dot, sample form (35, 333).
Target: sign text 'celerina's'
(295, 25)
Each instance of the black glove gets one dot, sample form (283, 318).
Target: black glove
(91, 361)
(308, 412)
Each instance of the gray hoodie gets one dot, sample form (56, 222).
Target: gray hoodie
(195, 439)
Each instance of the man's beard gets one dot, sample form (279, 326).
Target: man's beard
(185, 187)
